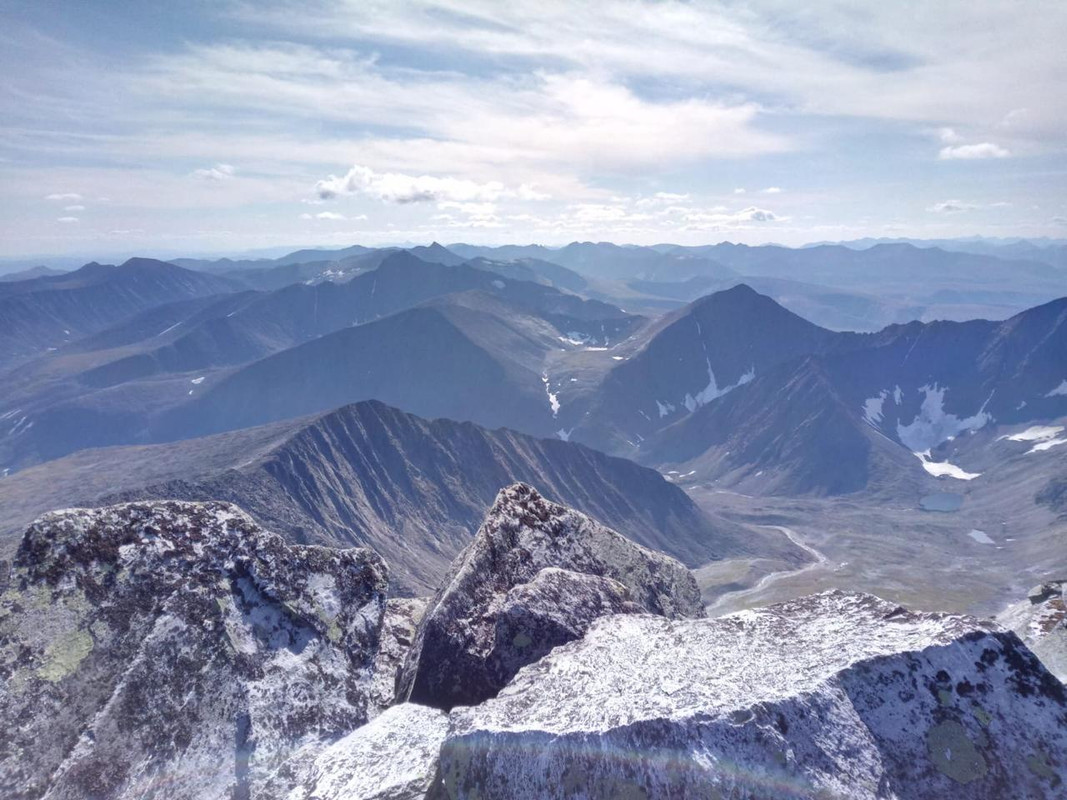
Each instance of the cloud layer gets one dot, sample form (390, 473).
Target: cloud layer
(625, 119)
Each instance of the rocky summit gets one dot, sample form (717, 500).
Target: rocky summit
(176, 650)
(535, 576)
(831, 696)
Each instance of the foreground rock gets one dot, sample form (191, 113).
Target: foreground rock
(393, 757)
(497, 610)
(831, 696)
(401, 621)
(175, 650)
(1041, 622)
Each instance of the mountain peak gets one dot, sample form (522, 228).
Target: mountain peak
(535, 576)
(139, 262)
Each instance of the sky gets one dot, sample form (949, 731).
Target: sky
(230, 126)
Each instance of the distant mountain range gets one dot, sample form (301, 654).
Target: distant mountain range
(143, 379)
(840, 408)
(505, 337)
(49, 311)
(367, 474)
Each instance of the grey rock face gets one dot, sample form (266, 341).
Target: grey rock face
(176, 650)
(554, 608)
(401, 620)
(1041, 622)
(831, 696)
(458, 658)
(394, 757)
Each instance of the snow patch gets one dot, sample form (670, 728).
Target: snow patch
(665, 408)
(712, 390)
(942, 469)
(197, 381)
(980, 537)
(1059, 390)
(553, 400)
(1036, 433)
(933, 425)
(564, 434)
(872, 408)
(1042, 446)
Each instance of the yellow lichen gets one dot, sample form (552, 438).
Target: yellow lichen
(64, 655)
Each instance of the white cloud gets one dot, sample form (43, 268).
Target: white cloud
(949, 136)
(471, 209)
(973, 151)
(951, 207)
(64, 196)
(394, 187)
(958, 206)
(74, 208)
(219, 172)
(773, 190)
(332, 216)
(66, 219)
(720, 219)
(663, 199)
(739, 190)
(528, 191)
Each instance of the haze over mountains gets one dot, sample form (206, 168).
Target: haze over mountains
(731, 392)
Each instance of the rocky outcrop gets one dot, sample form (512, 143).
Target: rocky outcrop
(554, 608)
(834, 695)
(1041, 622)
(471, 641)
(176, 650)
(394, 757)
(401, 620)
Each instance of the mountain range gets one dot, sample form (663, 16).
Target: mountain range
(759, 414)
(370, 475)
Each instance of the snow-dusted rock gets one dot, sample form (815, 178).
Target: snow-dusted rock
(831, 696)
(1041, 622)
(175, 650)
(394, 757)
(458, 658)
(401, 620)
(554, 608)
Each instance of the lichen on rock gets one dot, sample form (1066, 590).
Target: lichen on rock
(177, 650)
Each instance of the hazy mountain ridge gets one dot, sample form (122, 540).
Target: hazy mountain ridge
(50, 311)
(152, 355)
(410, 488)
(698, 381)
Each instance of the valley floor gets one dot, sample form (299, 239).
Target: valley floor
(976, 560)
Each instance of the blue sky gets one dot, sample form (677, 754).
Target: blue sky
(163, 127)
